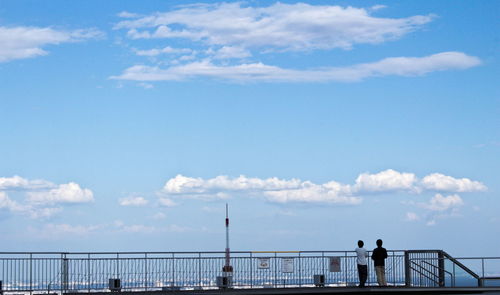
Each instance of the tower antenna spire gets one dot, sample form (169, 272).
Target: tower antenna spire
(228, 269)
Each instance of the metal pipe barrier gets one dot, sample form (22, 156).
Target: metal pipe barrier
(49, 272)
(62, 272)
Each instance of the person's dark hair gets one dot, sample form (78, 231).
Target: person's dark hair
(379, 243)
(360, 244)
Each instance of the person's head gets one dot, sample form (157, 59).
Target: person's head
(360, 244)
(379, 243)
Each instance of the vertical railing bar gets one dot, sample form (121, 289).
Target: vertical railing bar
(199, 269)
(482, 266)
(146, 271)
(173, 269)
(275, 270)
(300, 270)
(393, 270)
(251, 270)
(345, 268)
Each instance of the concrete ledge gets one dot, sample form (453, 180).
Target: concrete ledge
(313, 291)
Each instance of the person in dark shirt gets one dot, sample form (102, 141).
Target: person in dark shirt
(379, 255)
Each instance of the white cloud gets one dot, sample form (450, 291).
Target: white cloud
(39, 195)
(133, 201)
(165, 202)
(147, 229)
(228, 52)
(273, 189)
(17, 182)
(27, 42)
(294, 190)
(159, 216)
(29, 210)
(440, 182)
(64, 193)
(280, 26)
(438, 207)
(313, 193)
(7, 203)
(442, 203)
(377, 7)
(146, 85)
(165, 50)
(138, 228)
(388, 180)
(52, 230)
(412, 216)
(259, 72)
(126, 14)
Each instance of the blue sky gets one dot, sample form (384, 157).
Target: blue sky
(127, 125)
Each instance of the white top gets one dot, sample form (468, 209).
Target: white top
(362, 255)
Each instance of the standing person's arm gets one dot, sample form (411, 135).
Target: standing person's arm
(373, 255)
(385, 253)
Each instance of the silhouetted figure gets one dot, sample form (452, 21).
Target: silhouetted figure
(362, 263)
(379, 255)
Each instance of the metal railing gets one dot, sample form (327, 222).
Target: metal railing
(88, 272)
(64, 272)
(485, 271)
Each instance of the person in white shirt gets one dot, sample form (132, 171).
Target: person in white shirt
(362, 262)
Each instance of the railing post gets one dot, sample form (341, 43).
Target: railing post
(441, 268)
(88, 273)
(407, 269)
(31, 273)
(64, 273)
(146, 271)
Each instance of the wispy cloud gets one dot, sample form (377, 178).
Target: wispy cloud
(258, 72)
(280, 26)
(438, 207)
(441, 203)
(27, 42)
(165, 50)
(133, 201)
(227, 40)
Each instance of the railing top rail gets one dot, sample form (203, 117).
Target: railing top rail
(478, 257)
(423, 251)
(181, 252)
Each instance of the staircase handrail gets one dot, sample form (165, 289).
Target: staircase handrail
(465, 268)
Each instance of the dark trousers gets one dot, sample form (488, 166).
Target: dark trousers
(363, 274)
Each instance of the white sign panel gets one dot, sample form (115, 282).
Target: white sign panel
(263, 263)
(287, 265)
(334, 264)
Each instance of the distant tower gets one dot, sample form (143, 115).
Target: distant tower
(227, 269)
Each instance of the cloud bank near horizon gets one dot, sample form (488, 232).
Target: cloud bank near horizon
(297, 191)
